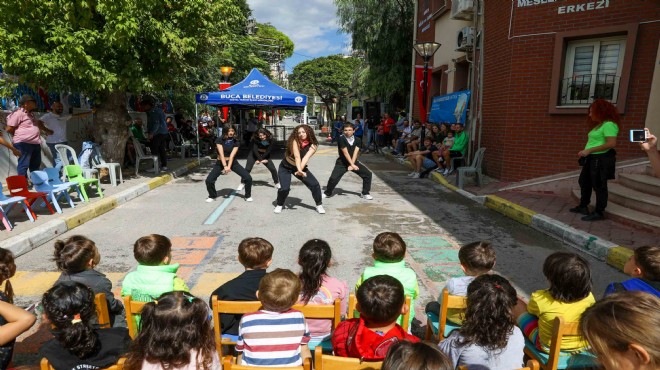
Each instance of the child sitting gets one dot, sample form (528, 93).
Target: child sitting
(476, 259)
(274, 335)
(155, 275)
(489, 338)
(447, 143)
(568, 296)
(416, 356)
(76, 257)
(389, 252)
(380, 301)
(176, 334)
(78, 345)
(644, 267)
(255, 254)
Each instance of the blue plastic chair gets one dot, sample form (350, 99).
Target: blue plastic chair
(40, 183)
(55, 180)
(7, 203)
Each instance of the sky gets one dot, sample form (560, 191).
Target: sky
(310, 24)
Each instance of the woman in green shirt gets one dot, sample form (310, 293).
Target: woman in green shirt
(598, 159)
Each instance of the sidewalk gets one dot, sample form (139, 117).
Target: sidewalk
(28, 235)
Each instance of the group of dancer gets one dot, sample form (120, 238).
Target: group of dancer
(300, 147)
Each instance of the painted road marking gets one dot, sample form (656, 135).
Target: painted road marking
(221, 208)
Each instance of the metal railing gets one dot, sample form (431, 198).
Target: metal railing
(583, 89)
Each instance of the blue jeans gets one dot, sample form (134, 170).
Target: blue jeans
(30, 158)
(57, 161)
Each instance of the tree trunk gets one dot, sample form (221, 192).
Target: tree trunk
(111, 125)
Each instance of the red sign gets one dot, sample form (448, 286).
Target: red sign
(419, 77)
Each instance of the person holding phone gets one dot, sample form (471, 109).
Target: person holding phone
(650, 146)
(598, 159)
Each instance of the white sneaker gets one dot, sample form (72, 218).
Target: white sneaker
(445, 172)
(209, 200)
(412, 174)
(320, 209)
(416, 175)
(278, 209)
(278, 186)
(240, 187)
(249, 199)
(367, 196)
(324, 195)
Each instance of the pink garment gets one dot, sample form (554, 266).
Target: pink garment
(192, 365)
(27, 130)
(331, 289)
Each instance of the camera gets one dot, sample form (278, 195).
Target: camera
(638, 136)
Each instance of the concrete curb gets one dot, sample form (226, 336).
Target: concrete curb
(30, 239)
(606, 251)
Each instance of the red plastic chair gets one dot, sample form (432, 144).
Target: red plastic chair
(18, 186)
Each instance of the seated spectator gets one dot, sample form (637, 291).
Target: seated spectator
(283, 329)
(69, 307)
(644, 267)
(422, 159)
(415, 356)
(404, 138)
(447, 143)
(187, 131)
(138, 131)
(176, 333)
(380, 301)
(415, 136)
(457, 149)
(622, 331)
(489, 337)
(255, 254)
(170, 124)
(650, 146)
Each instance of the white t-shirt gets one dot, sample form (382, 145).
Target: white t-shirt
(476, 357)
(56, 123)
(458, 286)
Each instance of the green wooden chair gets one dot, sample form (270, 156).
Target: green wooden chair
(75, 174)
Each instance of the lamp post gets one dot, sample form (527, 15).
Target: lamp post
(225, 71)
(426, 51)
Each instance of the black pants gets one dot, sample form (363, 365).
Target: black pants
(235, 167)
(271, 167)
(159, 148)
(340, 169)
(284, 173)
(594, 177)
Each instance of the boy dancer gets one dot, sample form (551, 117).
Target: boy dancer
(349, 149)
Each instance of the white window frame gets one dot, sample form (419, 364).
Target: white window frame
(596, 43)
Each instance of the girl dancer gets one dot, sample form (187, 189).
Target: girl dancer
(262, 143)
(227, 146)
(300, 147)
(349, 149)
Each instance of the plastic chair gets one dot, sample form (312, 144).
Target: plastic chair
(112, 167)
(88, 173)
(474, 168)
(40, 183)
(55, 180)
(229, 363)
(140, 156)
(45, 365)
(18, 186)
(102, 312)
(440, 326)
(134, 309)
(74, 174)
(7, 203)
(555, 358)
(329, 362)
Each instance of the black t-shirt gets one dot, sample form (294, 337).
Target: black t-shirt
(431, 149)
(114, 343)
(343, 143)
(228, 145)
(372, 123)
(261, 148)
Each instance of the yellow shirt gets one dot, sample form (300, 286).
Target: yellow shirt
(546, 308)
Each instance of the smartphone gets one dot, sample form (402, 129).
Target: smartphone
(638, 136)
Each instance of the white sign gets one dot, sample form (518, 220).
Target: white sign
(524, 3)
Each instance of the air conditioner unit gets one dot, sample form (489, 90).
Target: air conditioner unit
(462, 9)
(465, 39)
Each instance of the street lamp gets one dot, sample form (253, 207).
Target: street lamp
(426, 51)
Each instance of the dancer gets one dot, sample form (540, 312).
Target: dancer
(262, 144)
(349, 149)
(227, 146)
(300, 147)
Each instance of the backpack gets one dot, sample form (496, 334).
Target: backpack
(85, 157)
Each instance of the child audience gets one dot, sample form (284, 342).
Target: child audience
(255, 254)
(175, 334)
(274, 335)
(568, 296)
(380, 301)
(415, 356)
(69, 307)
(644, 267)
(489, 338)
(155, 275)
(622, 331)
(76, 258)
(389, 252)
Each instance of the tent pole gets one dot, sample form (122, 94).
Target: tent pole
(199, 162)
(305, 120)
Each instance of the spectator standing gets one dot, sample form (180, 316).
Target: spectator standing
(156, 130)
(27, 135)
(389, 126)
(251, 127)
(371, 124)
(57, 122)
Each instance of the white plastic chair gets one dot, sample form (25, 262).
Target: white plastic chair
(112, 167)
(139, 156)
(475, 167)
(88, 173)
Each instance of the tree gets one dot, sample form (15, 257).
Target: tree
(328, 77)
(106, 48)
(382, 30)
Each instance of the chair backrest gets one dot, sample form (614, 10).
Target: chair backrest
(229, 363)
(64, 150)
(448, 301)
(322, 311)
(478, 158)
(531, 365)
(560, 328)
(45, 365)
(53, 175)
(102, 313)
(133, 309)
(73, 171)
(17, 184)
(138, 147)
(39, 178)
(352, 312)
(329, 362)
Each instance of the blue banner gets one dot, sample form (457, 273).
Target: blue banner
(450, 108)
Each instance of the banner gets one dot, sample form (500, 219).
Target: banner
(450, 108)
(419, 77)
(225, 110)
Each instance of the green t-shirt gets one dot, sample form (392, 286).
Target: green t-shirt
(598, 135)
